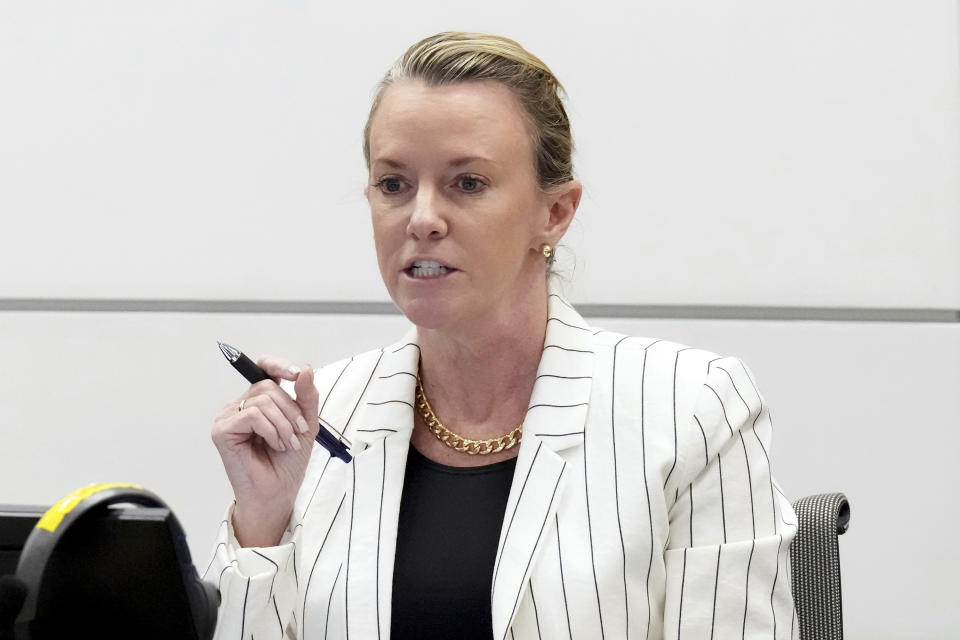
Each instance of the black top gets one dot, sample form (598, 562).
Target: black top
(447, 537)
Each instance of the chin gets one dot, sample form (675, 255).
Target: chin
(429, 314)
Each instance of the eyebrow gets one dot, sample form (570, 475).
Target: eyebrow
(393, 164)
(457, 162)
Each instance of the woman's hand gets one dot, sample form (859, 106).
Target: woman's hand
(265, 448)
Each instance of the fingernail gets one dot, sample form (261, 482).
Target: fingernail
(294, 370)
(295, 443)
(302, 424)
(282, 448)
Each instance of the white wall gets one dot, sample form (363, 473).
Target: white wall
(740, 153)
(144, 141)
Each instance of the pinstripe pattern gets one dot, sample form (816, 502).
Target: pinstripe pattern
(642, 504)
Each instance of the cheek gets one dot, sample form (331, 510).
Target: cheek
(502, 246)
(383, 228)
(517, 228)
(388, 235)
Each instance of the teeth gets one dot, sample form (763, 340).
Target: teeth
(428, 269)
(428, 272)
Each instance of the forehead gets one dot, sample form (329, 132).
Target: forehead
(466, 118)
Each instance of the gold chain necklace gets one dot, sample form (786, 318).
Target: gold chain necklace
(459, 443)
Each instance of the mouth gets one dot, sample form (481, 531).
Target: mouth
(427, 269)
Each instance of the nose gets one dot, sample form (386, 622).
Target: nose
(427, 220)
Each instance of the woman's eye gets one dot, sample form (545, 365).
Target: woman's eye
(390, 185)
(471, 184)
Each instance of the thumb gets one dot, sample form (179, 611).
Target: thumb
(308, 398)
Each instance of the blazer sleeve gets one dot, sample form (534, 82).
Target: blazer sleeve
(258, 586)
(259, 590)
(727, 558)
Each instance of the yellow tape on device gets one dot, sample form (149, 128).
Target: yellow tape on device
(55, 514)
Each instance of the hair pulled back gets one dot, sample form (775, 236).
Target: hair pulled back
(455, 56)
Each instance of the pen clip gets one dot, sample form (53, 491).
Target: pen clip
(326, 440)
(342, 438)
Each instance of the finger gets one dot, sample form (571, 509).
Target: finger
(284, 428)
(277, 367)
(308, 398)
(286, 404)
(229, 410)
(252, 420)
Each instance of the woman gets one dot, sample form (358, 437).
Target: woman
(516, 473)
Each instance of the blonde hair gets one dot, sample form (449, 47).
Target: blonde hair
(456, 56)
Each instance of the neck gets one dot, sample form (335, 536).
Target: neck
(480, 381)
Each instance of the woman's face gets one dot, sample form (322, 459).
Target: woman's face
(458, 218)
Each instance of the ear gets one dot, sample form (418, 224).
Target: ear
(562, 203)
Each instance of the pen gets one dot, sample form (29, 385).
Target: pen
(249, 370)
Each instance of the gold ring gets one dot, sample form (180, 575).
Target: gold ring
(240, 408)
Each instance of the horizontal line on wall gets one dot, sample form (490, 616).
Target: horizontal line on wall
(711, 312)
(123, 305)
(693, 312)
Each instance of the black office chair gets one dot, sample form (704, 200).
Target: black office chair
(815, 564)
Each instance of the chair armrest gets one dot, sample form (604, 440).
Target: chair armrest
(815, 564)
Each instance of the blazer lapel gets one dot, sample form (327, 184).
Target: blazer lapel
(380, 434)
(379, 428)
(552, 432)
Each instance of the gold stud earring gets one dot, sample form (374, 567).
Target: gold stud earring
(547, 251)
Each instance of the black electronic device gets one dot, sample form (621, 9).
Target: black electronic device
(16, 523)
(111, 561)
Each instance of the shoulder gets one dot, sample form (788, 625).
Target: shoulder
(693, 401)
(358, 369)
(355, 373)
(693, 381)
(329, 375)
(653, 358)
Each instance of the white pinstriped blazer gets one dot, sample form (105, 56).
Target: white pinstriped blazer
(642, 504)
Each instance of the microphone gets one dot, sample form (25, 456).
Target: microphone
(12, 594)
